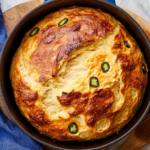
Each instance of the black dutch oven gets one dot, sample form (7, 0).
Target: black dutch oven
(12, 44)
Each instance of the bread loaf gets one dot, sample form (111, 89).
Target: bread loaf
(78, 75)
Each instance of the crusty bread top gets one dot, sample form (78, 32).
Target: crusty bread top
(51, 71)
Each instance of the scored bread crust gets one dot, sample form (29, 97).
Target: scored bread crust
(51, 71)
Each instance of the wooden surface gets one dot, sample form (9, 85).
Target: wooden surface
(13, 15)
(139, 137)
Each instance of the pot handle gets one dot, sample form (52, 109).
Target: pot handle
(111, 1)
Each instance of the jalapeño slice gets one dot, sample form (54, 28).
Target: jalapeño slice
(34, 32)
(126, 43)
(94, 82)
(63, 22)
(73, 128)
(105, 66)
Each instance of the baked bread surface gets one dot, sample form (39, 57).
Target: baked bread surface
(50, 75)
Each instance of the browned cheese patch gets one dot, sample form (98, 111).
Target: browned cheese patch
(38, 116)
(91, 106)
(118, 41)
(132, 74)
(25, 96)
(56, 43)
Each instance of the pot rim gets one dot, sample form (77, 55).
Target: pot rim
(15, 121)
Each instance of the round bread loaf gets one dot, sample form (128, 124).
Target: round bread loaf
(78, 75)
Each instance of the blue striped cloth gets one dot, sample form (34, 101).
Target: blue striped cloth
(11, 137)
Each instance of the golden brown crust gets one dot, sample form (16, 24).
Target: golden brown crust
(51, 71)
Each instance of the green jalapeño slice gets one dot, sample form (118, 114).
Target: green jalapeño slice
(73, 128)
(105, 66)
(126, 43)
(144, 69)
(94, 82)
(34, 32)
(63, 22)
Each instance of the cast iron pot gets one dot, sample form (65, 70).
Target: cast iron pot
(12, 44)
